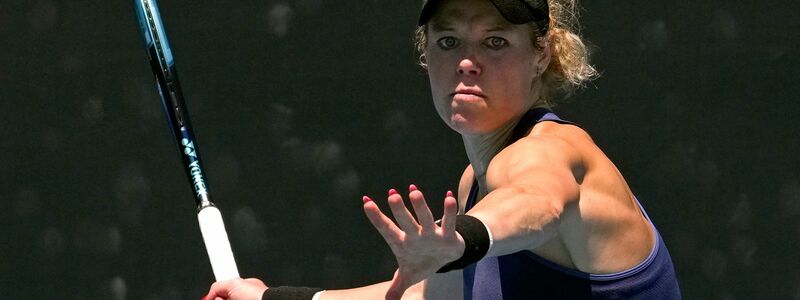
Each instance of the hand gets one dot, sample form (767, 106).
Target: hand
(237, 289)
(421, 246)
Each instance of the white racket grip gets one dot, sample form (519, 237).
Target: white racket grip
(217, 244)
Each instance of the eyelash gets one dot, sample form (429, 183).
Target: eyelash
(489, 42)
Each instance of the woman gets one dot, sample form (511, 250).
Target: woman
(541, 211)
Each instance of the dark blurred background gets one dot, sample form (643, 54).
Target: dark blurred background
(301, 107)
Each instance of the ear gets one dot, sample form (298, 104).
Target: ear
(545, 55)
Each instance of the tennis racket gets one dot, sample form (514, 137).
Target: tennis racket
(209, 217)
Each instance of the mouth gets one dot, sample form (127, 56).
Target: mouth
(466, 98)
(467, 94)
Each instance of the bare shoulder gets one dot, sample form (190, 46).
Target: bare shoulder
(556, 136)
(558, 149)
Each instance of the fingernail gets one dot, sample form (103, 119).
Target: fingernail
(366, 199)
(449, 193)
(392, 192)
(412, 188)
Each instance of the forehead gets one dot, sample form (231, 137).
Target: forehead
(467, 12)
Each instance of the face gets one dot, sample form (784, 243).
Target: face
(482, 69)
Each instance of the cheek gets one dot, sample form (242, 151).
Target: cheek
(516, 85)
(515, 76)
(438, 79)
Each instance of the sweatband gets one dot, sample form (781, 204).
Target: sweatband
(290, 293)
(476, 242)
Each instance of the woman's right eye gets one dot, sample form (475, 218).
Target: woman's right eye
(447, 42)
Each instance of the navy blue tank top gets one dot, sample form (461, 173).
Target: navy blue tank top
(525, 275)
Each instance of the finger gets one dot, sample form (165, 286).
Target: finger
(397, 288)
(394, 293)
(421, 209)
(387, 229)
(218, 289)
(401, 213)
(450, 212)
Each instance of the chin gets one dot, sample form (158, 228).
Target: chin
(465, 126)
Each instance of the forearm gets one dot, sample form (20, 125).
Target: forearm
(375, 291)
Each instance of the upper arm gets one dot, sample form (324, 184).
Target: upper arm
(531, 182)
(542, 164)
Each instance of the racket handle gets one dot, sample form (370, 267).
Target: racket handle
(217, 244)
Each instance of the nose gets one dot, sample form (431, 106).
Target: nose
(467, 66)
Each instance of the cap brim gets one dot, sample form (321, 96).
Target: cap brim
(514, 11)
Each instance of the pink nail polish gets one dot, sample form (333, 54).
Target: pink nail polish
(366, 199)
(412, 188)
(392, 192)
(449, 193)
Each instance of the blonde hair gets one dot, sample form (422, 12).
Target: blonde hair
(569, 68)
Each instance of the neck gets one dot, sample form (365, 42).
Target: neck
(481, 148)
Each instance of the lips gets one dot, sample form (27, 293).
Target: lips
(464, 93)
(467, 98)
(468, 92)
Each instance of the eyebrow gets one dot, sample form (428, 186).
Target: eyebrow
(499, 27)
(437, 25)
(456, 15)
(443, 25)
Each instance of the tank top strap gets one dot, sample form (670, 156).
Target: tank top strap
(473, 196)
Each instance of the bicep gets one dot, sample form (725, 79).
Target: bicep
(540, 166)
(530, 187)
(541, 161)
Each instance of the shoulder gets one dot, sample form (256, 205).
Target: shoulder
(554, 135)
(549, 146)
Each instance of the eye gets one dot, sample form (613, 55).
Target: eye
(447, 42)
(496, 42)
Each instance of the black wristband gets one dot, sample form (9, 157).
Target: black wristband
(290, 293)
(476, 242)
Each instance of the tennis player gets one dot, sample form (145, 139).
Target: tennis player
(541, 212)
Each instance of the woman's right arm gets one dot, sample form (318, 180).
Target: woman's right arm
(439, 286)
(375, 291)
(253, 289)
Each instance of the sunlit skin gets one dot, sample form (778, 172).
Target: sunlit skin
(553, 192)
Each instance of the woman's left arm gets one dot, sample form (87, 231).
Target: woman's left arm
(530, 184)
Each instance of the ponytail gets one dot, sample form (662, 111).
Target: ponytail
(569, 68)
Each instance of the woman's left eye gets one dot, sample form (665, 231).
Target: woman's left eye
(496, 42)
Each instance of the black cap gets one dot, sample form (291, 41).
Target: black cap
(514, 11)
